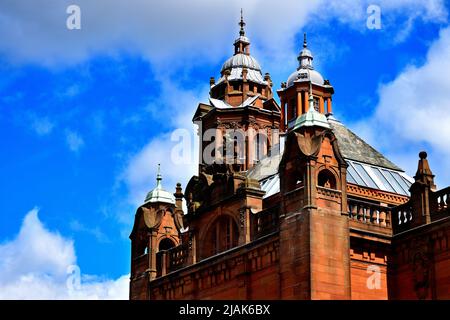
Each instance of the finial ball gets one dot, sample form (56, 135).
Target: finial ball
(422, 155)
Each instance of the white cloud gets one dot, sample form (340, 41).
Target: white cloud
(74, 140)
(177, 111)
(414, 113)
(170, 34)
(34, 265)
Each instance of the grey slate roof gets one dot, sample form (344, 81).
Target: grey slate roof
(354, 148)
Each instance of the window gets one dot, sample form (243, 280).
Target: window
(316, 103)
(223, 235)
(236, 86)
(293, 107)
(326, 179)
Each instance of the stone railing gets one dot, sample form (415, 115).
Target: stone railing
(170, 260)
(402, 217)
(178, 257)
(440, 202)
(369, 213)
(237, 263)
(264, 222)
(140, 264)
(329, 193)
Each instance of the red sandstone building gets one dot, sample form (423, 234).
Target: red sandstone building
(313, 212)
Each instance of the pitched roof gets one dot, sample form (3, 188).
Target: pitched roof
(354, 148)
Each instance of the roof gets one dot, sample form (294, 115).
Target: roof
(354, 148)
(357, 173)
(305, 75)
(366, 166)
(236, 64)
(158, 194)
(236, 74)
(220, 104)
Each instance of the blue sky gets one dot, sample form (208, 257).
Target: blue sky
(87, 114)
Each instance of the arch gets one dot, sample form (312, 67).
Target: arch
(221, 235)
(165, 244)
(326, 179)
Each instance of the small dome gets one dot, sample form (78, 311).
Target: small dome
(241, 60)
(303, 74)
(159, 194)
(305, 68)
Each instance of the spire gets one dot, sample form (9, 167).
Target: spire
(158, 178)
(305, 56)
(242, 43)
(424, 173)
(242, 25)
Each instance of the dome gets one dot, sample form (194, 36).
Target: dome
(303, 74)
(159, 194)
(241, 60)
(233, 68)
(305, 69)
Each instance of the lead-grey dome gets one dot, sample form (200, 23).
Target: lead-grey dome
(303, 74)
(305, 69)
(159, 194)
(241, 60)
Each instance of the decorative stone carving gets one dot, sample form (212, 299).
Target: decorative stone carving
(421, 266)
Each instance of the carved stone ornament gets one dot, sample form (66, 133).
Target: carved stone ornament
(421, 266)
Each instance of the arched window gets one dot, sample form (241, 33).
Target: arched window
(326, 179)
(165, 244)
(222, 235)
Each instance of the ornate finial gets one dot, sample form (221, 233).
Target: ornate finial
(305, 57)
(422, 155)
(158, 177)
(242, 24)
(424, 174)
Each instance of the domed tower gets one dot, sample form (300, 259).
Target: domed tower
(294, 94)
(157, 228)
(241, 76)
(239, 125)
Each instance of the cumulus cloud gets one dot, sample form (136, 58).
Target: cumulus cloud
(415, 109)
(35, 265)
